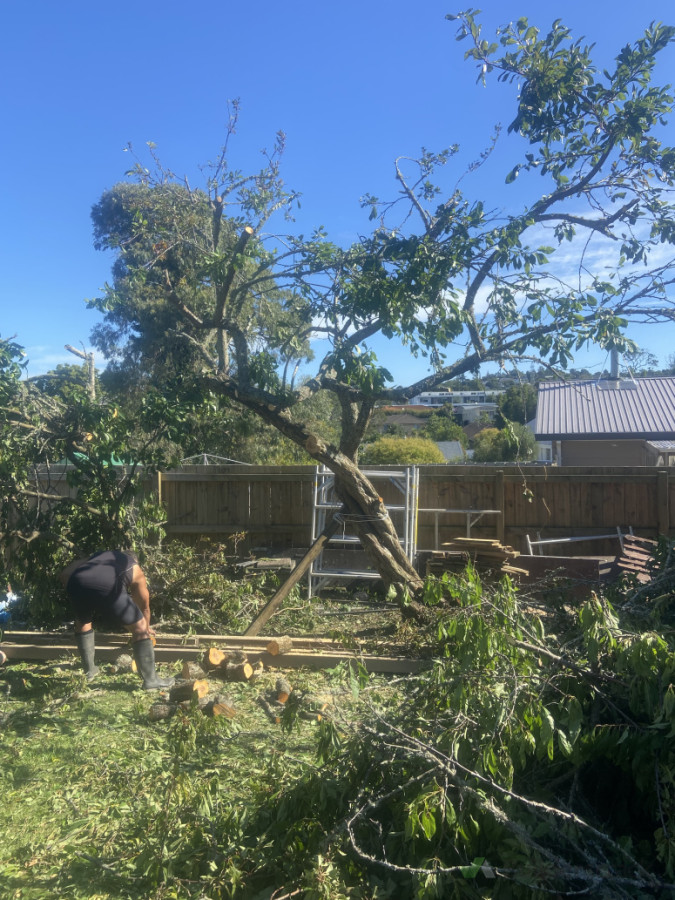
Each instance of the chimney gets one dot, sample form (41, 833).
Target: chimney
(614, 365)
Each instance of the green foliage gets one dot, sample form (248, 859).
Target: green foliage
(401, 451)
(441, 426)
(195, 588)
(513, 443)
(518, 404)
(520, 763)
(511, 770)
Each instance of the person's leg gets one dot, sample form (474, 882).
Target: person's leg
(86, 644)
(143, 650)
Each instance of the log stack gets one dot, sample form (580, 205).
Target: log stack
(484, 553)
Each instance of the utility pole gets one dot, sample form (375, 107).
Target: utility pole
(91, 372)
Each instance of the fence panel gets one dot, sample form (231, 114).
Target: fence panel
(273, 505)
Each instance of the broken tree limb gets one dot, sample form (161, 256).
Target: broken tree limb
(272, 605)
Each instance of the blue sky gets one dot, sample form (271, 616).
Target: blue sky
(353, 85)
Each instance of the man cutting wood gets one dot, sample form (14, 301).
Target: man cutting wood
(111, 583)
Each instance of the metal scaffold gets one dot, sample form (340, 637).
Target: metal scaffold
(343, 559)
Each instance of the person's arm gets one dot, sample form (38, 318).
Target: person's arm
(140, 593)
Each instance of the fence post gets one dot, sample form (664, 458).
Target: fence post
(499, 504)
(662, 507)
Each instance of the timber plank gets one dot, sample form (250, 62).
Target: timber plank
(292, 660)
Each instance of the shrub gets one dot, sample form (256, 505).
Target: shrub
(396, 450)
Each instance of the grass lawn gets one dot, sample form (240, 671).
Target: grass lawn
(100, 802)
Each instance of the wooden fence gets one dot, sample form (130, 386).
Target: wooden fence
(272, 506)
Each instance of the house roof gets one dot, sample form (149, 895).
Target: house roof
(451, 449)
(639, 408)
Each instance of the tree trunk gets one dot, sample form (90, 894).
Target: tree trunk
(371, 519)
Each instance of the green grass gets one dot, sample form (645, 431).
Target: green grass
(98, 802)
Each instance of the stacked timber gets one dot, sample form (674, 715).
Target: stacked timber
(484, 553)
(637, 557)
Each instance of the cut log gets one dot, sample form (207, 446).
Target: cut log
(223, 709)
(159, 711)
(279, 645)
(202, 703)
(191, 671)
(214, 658)
(283, 690)
(189, 690)
(258, 669)
(237, 671)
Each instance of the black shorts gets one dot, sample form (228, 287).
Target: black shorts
(122, 608)
(99, 586)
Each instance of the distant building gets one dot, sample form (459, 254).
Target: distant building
(471, 406)
(610, 422)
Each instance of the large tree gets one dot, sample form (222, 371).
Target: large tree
(205, 281)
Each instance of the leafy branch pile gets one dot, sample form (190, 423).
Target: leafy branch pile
(524, 764)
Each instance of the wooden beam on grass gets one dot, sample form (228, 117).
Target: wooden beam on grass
(295, 659)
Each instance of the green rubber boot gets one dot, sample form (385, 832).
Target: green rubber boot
(86, 646)
(144, 654)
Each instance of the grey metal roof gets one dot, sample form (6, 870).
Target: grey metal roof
(451, 449)
(639, 408)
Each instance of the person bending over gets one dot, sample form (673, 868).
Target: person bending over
(112, 583)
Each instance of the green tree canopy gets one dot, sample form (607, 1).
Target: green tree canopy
(511, 444)
(518, 403)
(441, 426)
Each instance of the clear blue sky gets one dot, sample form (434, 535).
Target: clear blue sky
(353, 85)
